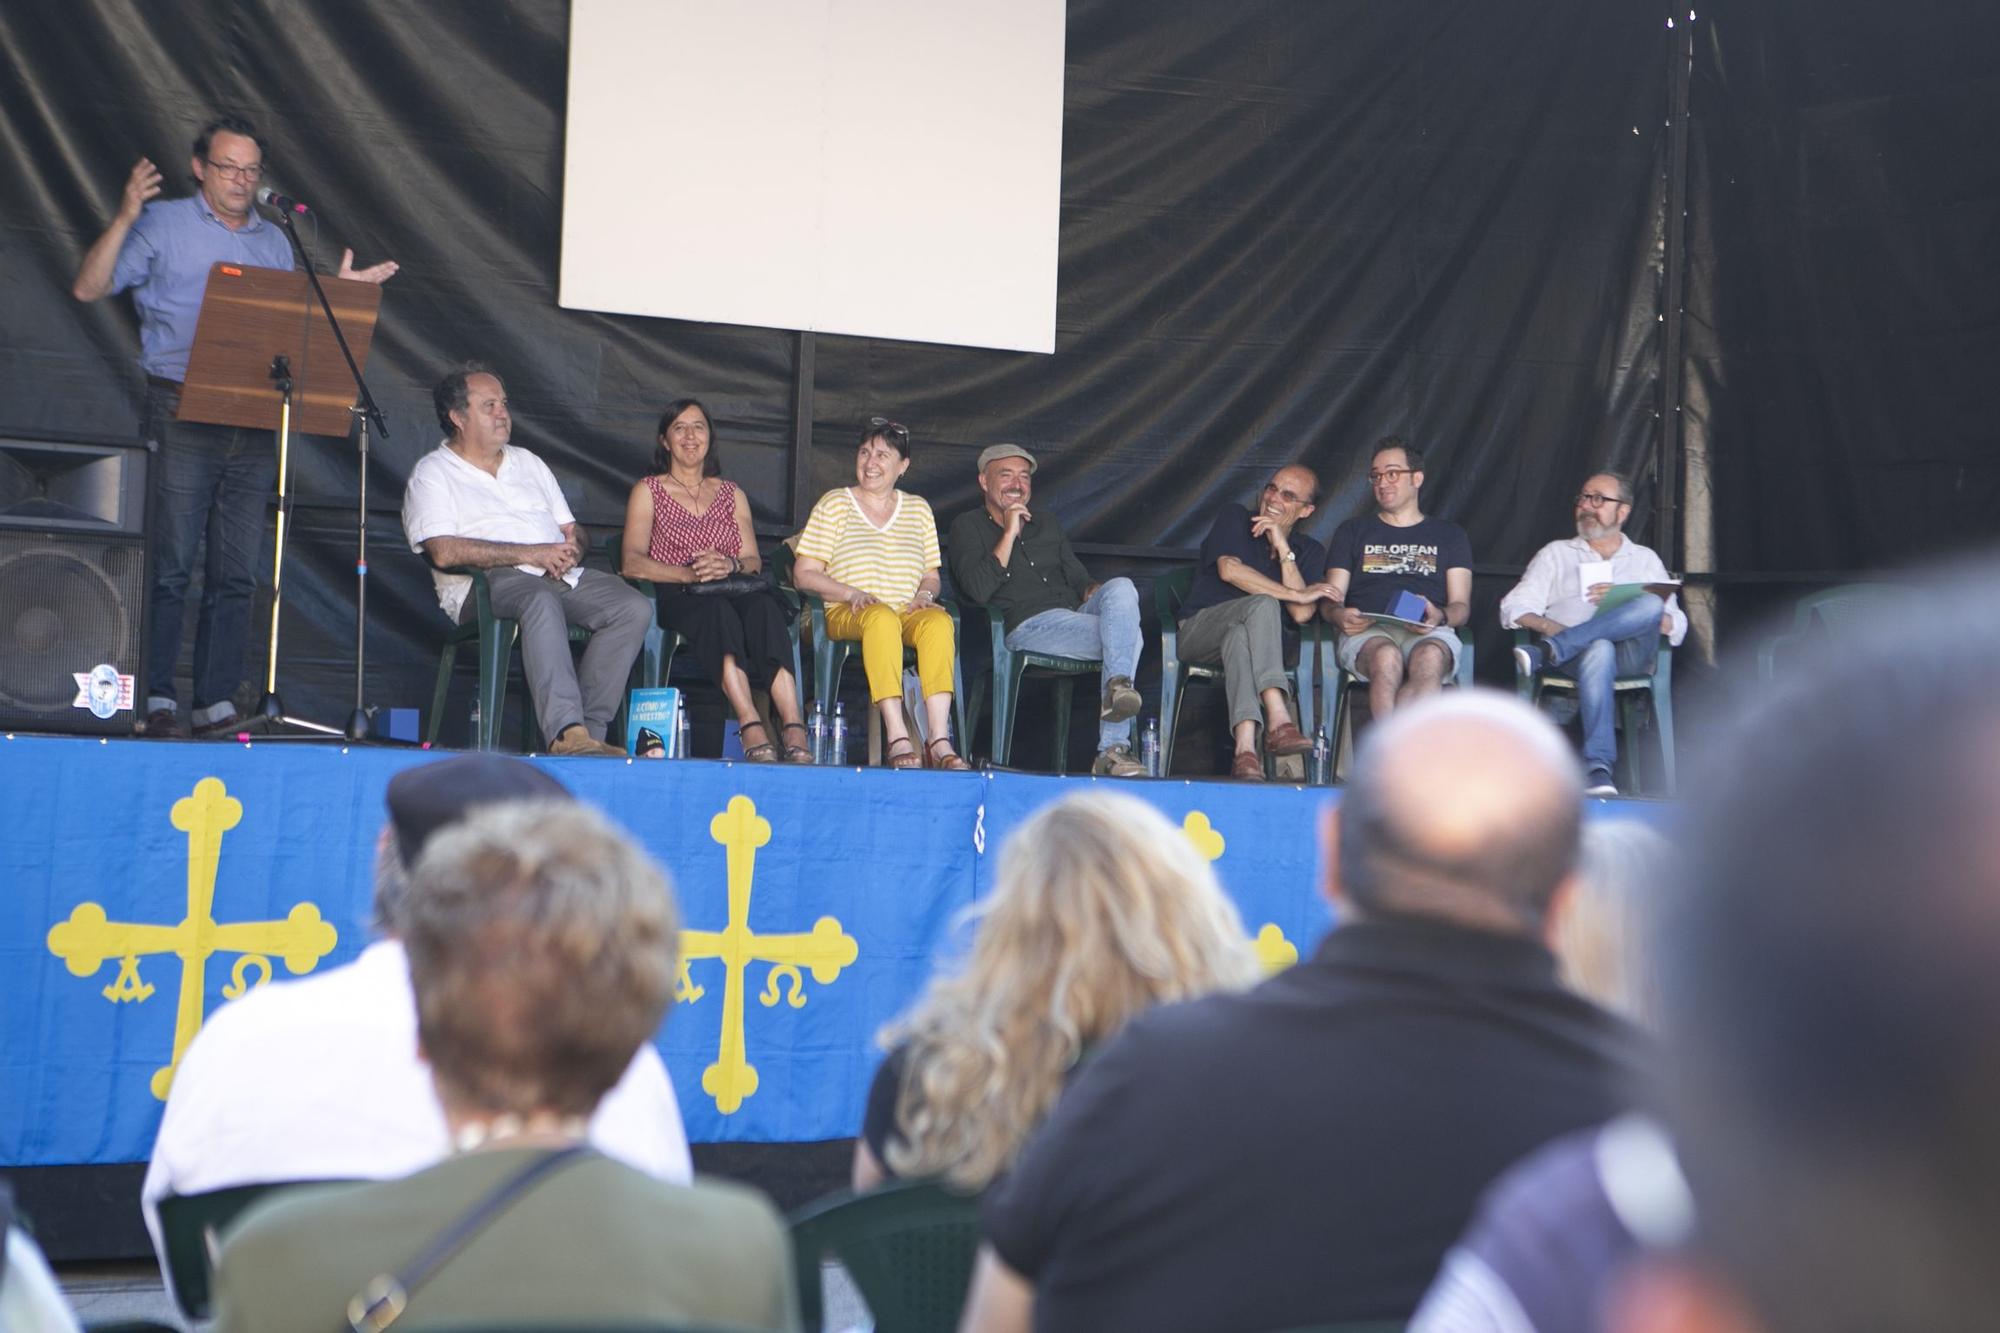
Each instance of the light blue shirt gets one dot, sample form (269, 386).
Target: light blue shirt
(165, 261)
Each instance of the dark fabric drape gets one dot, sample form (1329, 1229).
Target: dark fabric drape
(1843, 299)
(1287, 229)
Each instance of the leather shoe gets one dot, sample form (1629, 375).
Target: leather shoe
(575, 740)
(1247, 767)
(162, 723)
(1120, 700)
(1286, 739)
(1117, 762)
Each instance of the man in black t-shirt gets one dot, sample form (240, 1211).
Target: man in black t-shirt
(1250, 566)
(1306, 1152)
(1398, 563)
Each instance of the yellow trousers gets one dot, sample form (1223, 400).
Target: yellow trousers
(884, 633)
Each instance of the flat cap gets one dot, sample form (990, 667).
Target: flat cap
(429, 797)
(993, 453)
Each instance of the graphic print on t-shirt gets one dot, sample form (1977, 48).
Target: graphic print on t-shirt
(1416, 560)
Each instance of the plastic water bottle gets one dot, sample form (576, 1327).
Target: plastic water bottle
(681, 739)
(816, 732)
(1322, 759)
(836, 736)
(472, 737)
(1149, 747)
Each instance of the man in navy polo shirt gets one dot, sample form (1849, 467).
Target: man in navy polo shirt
(1252, 565)
(206, 478)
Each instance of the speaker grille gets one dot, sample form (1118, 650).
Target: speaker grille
(67, 603)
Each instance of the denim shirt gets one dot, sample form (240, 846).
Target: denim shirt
(165, 261)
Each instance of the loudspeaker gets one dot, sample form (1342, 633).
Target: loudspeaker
(72, 582)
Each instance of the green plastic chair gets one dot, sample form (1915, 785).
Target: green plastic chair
(909, 1247)
(656, 653)
(830, 654)
(1337, 685)
(191, 1226)
(1170, 589)
(1827, 614)
(1009, 669)
(1627, 691)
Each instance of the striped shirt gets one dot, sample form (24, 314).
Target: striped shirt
(678, 535)
(887, 562)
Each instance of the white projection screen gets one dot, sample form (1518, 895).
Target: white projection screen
(889, 168)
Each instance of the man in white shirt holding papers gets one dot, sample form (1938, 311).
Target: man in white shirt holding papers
(1560, 600)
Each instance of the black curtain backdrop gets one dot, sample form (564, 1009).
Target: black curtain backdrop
(1287, 229)
(1843, 299)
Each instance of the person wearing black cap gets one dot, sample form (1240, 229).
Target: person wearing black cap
(320, 1079)
(1022, 563)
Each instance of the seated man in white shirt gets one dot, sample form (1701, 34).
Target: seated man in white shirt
(478, 502)
(319, 1079)
(1557, 599)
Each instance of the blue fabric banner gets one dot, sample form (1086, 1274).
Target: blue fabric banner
(144, 884)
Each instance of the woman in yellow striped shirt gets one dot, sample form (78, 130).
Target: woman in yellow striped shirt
(872, 552)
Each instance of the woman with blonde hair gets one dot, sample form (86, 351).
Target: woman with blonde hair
(1102, 909)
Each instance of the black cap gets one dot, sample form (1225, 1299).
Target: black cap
(429, 797)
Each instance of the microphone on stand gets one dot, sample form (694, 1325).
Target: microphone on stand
(272, 199)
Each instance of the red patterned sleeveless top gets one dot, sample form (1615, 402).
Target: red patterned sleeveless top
(678, 534)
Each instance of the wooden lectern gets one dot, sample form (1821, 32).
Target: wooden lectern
(249, 317)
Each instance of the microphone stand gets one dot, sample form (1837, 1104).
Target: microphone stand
(272, 708)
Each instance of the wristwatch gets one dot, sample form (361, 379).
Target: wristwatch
(1290, 557)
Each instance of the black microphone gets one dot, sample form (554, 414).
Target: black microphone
(271, 198)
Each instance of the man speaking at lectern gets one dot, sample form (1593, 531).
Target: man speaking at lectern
(206, 478)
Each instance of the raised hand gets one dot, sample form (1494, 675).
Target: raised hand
(378, 273)
(141, 185)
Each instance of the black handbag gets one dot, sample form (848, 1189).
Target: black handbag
(729, 585)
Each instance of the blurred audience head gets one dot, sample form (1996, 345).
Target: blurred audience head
(1606, 939)
(1831, 990)
(1463, 808)
(542, 944)
(1101, 909)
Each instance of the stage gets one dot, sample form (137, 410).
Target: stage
(150, 882)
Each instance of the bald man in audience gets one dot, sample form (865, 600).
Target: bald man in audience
(1307, 1151)
(1831, 995)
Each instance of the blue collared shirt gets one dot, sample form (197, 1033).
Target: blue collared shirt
(165, 261)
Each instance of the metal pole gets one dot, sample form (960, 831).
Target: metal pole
(1669, 462)
(802, 427)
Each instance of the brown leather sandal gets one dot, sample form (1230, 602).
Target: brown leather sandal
(949, 761)
(796, 754)
(905, 758)
(763, 753)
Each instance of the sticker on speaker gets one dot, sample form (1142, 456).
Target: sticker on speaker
(102, 690)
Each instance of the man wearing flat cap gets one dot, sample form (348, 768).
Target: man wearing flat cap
(1006, 557)
(319, 1079)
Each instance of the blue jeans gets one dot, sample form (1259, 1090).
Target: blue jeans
(211, 481)
(1105, 627)
(1621, 642)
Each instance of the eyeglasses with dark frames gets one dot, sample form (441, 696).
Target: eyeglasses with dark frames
(1376, 478)
(1592, 500)
(229, 171)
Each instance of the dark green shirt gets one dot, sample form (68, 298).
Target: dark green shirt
(1042, 574)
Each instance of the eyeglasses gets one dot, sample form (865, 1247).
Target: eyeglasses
(1273, 488)
(229, 171)
(884, 426)
(1591, 500)
(1388, 474)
